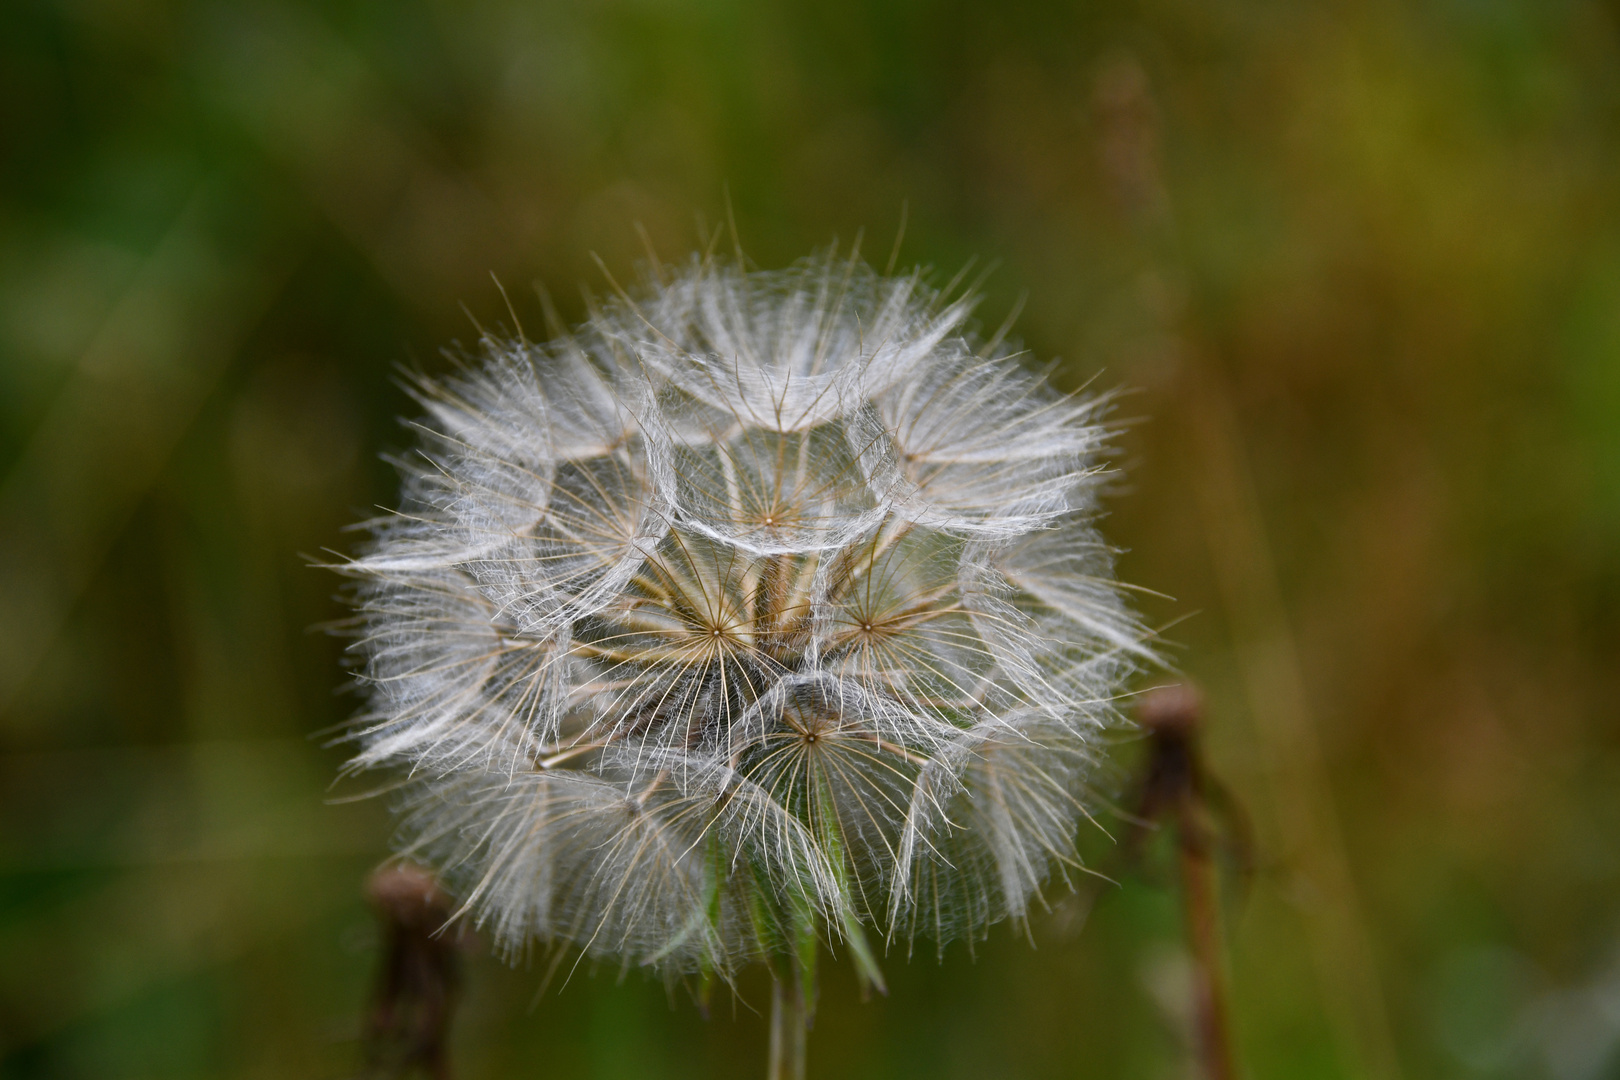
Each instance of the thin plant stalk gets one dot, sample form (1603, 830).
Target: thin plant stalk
(1199, 900)
(408, 1025)
(1178, 790)
(790, 1022)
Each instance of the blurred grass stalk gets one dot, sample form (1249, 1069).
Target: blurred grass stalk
(114, 426)
(1300, 790)
(1301, 796)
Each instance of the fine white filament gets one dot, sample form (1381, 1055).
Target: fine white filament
(762, 602)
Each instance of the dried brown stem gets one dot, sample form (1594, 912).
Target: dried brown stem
(1175, 789)
(408, 1026)
(1199, 906)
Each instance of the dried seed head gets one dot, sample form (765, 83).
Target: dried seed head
(766, 604)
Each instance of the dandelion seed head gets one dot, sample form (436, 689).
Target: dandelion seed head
(763, 604)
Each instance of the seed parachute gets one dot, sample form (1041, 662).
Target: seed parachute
(763, 608)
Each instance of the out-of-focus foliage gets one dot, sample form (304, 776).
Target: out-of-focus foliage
(1361, 263)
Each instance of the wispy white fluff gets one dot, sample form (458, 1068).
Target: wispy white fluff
(765, 605)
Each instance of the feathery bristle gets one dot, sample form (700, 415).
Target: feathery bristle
(762, 602)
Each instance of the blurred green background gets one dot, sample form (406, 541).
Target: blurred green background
(1358, 263)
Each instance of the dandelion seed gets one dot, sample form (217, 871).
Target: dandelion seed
(762, 610)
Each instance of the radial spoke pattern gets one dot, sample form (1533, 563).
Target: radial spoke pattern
(764, 602)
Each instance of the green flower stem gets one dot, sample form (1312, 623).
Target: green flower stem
(789, 1026)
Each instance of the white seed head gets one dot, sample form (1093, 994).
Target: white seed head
(764, 605)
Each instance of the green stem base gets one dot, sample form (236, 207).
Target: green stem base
(789, 1021)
